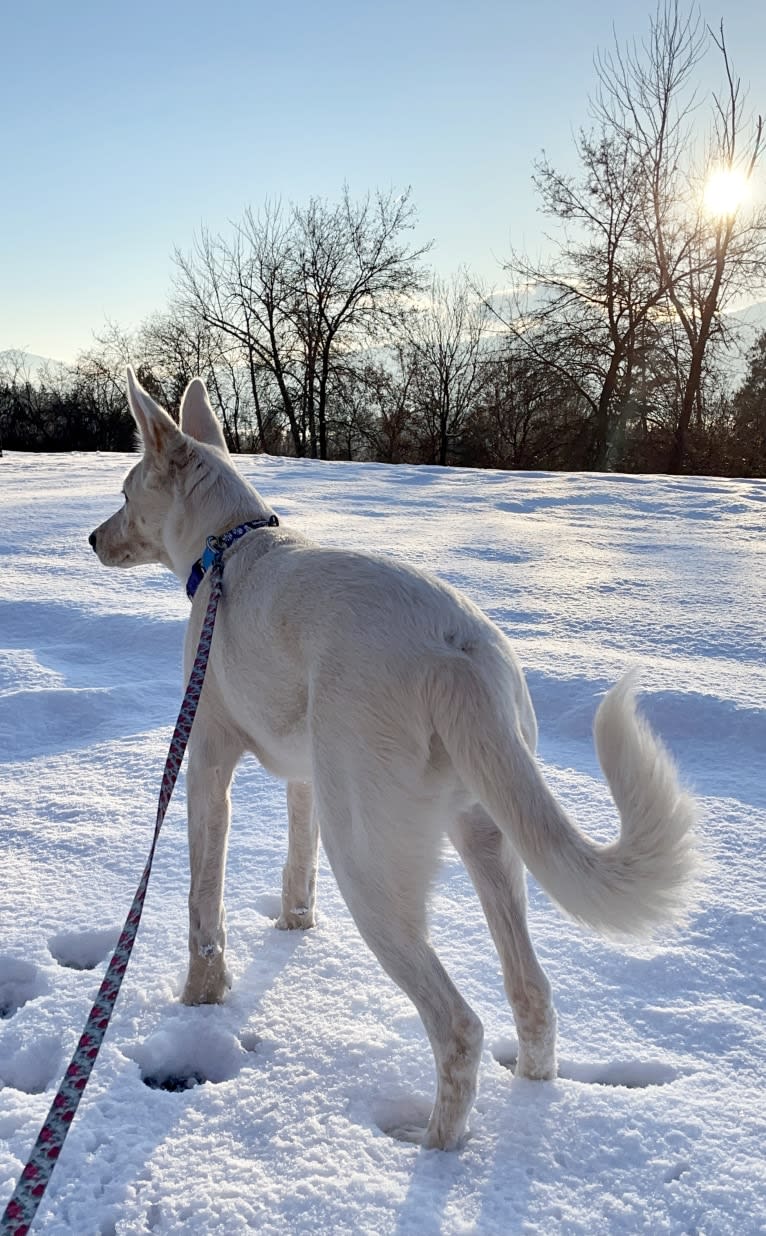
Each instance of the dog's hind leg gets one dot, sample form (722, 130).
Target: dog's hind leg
(384, 858)
(299, 875)
(213, 754)
(498, 876)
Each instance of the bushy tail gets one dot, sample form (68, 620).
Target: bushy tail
(632, 885)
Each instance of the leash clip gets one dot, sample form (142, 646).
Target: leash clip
(214, 547)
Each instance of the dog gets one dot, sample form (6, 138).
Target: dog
(396, 712)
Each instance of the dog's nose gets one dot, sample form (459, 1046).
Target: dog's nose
(92, 540)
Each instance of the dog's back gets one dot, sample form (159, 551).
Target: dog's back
(303, 624)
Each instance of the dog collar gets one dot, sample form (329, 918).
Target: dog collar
(215, 547)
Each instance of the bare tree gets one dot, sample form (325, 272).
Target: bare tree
(528, 415)
(52, 407)
(705, 255)
(584, 313)
(643, 267)
(445, 337)
(299, 288)
(178, 345)
(16, 391)
(376, 399)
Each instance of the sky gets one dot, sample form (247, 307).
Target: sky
(125, 130)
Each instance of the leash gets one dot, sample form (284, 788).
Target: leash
(34, 1179)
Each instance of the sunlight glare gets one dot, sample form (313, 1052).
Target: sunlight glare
(725, 190)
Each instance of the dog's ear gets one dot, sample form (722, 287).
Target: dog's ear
(198, 418)
(157, 428)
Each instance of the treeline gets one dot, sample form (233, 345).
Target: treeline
(498, 409)
(320, 330)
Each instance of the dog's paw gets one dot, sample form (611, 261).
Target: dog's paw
(532, 1059)
(300, 918)
(429, 1138)
(194, 995)
(207, 982)
(535, 1070)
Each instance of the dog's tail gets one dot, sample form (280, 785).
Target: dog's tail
(630, 886)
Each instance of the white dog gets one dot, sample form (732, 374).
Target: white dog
(396, 712)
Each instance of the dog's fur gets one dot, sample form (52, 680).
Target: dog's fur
(396, 712)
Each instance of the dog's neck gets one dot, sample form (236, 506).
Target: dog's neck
(218, 545)
(189, 549)
(197, 515)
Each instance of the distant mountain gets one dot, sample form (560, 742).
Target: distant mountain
(26, 362)
(754, 315)
(749, 323)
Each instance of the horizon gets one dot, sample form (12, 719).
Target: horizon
(109, 122)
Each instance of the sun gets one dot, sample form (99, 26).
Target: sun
(725, 190)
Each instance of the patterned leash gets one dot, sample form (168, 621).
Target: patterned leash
(34, 1179)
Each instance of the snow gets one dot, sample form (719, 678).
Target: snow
(267, 1113)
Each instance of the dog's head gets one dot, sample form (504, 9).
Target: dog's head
(138, 532)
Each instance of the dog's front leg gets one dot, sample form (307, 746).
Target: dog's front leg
(212, 757)
(299, 874)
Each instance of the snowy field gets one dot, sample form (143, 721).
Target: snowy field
(264, 1115)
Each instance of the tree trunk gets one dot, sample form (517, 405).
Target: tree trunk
(693, 383)
(600, 446)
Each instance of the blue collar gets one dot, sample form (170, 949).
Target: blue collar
(217, 545)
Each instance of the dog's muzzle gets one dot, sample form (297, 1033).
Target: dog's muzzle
(92, 541)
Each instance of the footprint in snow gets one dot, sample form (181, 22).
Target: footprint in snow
(83, 950)
(633, 1074)
(403, 1117)
(189, 1050)
(29, 1066)
(174, 1084)
(19, 982)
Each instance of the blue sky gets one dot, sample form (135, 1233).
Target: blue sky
(126, 127)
